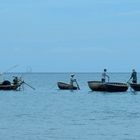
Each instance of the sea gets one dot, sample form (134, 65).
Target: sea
(48, 113)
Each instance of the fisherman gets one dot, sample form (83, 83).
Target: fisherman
(133, 76)
(15, 80)
(104, 75)
(72, 80)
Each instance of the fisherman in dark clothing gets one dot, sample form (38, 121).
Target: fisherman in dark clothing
(15, 80)
(133, 76)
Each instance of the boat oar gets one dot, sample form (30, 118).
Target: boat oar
(129, 85)
(29, 85)
(128, 82)
(77, 85)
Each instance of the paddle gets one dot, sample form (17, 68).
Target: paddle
(128, 82)
(29, 85)
(77, 84)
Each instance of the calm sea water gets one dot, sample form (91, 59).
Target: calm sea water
(48, 113)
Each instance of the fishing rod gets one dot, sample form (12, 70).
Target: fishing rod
(29, 85)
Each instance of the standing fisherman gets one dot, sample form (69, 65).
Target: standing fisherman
(133, 76)
(72, 81)
(104, 75)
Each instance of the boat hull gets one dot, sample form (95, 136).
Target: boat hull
(6, 85)
(135, 87)
(9, 87)
(65, 86)
(107, 87)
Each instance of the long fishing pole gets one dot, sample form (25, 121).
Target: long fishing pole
(29, 85)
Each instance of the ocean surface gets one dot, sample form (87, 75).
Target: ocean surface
(48, 113)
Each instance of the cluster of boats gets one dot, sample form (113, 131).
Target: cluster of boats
(102, 86)
(93, 85)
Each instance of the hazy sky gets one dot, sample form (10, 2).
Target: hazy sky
(70, 35)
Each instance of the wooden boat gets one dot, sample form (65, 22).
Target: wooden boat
(107, 87)
(7, 85)
(135, 87)
(66, 86)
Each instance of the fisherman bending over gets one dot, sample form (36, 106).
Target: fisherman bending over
(104, 75)
(133, 76)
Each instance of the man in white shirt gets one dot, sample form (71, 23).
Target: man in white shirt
(104, 75)
(72, 80)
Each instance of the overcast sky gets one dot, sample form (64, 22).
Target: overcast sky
(70, 35)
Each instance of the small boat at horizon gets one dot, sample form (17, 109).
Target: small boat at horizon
(108, 86)
(135, 87)
(65, 86)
